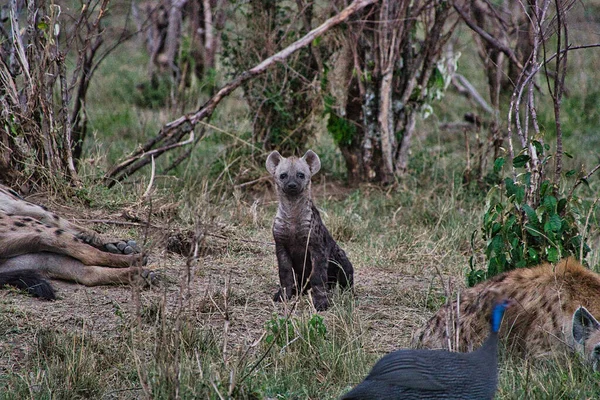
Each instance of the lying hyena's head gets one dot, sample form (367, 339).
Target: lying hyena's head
(586, 331)
(292, 175)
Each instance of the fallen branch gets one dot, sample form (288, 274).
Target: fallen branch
(465, 88)
(161, 228)
(171, 133)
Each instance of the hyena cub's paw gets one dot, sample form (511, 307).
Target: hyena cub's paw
(320, 300)
(283, 295)
(278, 297)
(321, 304)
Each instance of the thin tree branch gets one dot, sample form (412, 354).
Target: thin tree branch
(465, 87)
(580, 181)
(487, 37)
(559, 87)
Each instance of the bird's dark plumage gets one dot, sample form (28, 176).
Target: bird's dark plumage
(29, 281)
(435, 374)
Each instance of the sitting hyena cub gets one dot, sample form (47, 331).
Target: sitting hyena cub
(307, 255)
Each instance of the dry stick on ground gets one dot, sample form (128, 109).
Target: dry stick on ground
(171, 134)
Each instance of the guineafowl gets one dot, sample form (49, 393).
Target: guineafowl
(436, 374)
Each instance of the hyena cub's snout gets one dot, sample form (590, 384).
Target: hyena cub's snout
(293, 184)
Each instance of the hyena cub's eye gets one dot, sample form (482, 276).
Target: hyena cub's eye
(300, 175)
(283, 176)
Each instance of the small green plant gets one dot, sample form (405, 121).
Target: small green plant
(316, 328)
(153, 94)
(284, 331)
(342, 130)
(521, 233)
(279, 330)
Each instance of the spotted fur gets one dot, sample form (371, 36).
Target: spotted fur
(555, 309)
(307, 255)
(36, 243)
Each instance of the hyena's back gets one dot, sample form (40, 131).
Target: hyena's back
(546, 297)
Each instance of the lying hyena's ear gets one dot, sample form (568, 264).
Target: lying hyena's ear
(313, 161)
(273, 161)
(584, 324)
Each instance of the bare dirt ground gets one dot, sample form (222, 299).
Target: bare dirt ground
(237, 273)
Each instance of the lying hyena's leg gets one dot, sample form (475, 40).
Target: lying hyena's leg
(22, 237)
(67, 268)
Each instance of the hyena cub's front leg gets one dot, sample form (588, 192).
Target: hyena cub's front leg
(298, 223)
(319, 279)
(286, 274)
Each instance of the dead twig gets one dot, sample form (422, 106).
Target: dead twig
(488, 38)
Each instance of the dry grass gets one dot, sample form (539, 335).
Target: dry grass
(228, 299)
(208, 339)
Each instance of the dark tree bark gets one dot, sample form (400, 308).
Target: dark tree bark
(390, 79)
(167, 22)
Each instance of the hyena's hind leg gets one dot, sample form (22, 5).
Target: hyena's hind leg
(340, 269)
(67, 268)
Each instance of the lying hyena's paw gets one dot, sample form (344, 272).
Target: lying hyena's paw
(148, 278)
(123, 247)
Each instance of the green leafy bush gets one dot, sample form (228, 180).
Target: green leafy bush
(521, 233)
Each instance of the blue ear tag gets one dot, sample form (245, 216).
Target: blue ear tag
(497, 317)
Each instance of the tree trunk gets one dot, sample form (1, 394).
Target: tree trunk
(391, 75)
(173, 38)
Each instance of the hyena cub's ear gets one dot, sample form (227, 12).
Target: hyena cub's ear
(313, 161)
(584, 324)
(273, 161)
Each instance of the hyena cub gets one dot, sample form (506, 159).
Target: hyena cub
(307, 255)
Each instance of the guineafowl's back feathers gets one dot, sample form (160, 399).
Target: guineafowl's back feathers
(408, 374)
(435, 374)
(410, 368)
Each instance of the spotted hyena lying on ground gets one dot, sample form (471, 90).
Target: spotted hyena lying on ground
(555, 309)
(36, 243)
(307, 255)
